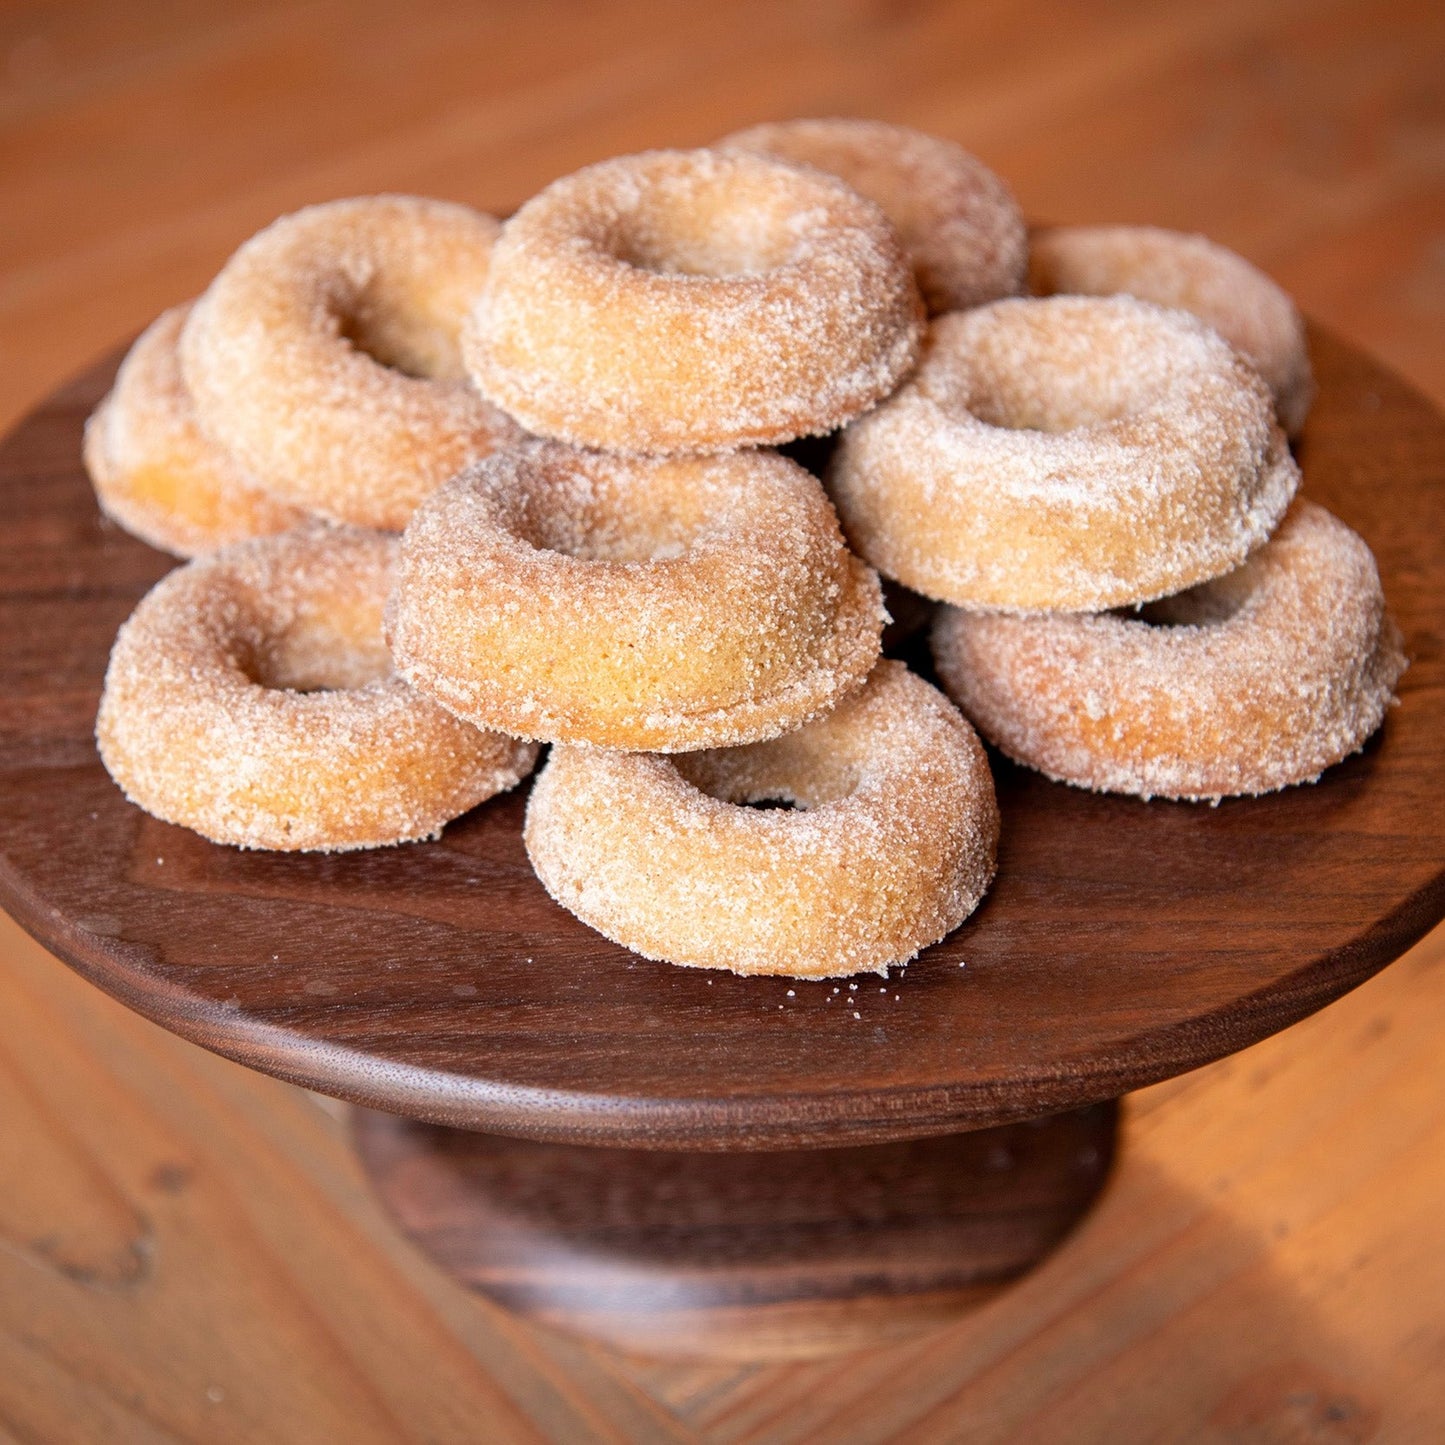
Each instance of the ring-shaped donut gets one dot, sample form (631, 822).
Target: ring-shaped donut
(1172, 268)
(960, 225)
(1248, 683)
(250, 697)
(324, 356)
(889, 846)
(693, 301)
(642, 603)
(1072, 454)
(156, 473)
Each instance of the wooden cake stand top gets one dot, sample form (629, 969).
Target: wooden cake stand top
(1123, 942)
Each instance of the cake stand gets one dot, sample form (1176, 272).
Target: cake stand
(682, 1161)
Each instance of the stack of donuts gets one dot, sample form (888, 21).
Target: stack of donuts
(452, 488)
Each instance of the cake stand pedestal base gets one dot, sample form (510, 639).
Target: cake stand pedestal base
(740, 1255)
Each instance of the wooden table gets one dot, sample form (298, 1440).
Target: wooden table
(186, 1250)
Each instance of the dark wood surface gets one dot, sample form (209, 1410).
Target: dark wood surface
(783, 1255)
(1123, 943)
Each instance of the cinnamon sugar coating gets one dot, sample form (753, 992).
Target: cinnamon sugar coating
(637, 603)
(1072, 453)
(156, 472)
(693, 301)
(890, 845)
(960, 225)
(1237, 299)
(324, 356)
(1248, 683)
(250, 697)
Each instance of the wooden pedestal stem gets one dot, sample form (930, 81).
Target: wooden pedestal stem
(748, 1256)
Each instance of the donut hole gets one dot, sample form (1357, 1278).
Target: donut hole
(1210, 604)
(609, 539)
(378, 339)
(1199, 607)
(711, 225)
(601, 514)
(390, 322)
(1019, 404)
(1045, 396)
(333, 645)
(772, 776)
(395, 337)
(1042, 366)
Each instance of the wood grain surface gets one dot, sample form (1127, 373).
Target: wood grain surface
(791, 1255)
(1122, 942)
(186, 1248)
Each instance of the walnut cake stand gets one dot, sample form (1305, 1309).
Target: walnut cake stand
(687, 1162)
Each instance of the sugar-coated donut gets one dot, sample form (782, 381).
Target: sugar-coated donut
(324, 356)
(961, 227)
(693, 301)
(1073, 453)
(250, 697)
(890, 845)
(643, 603)
(156, 473)
(1237, 299)
(1248, 683)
